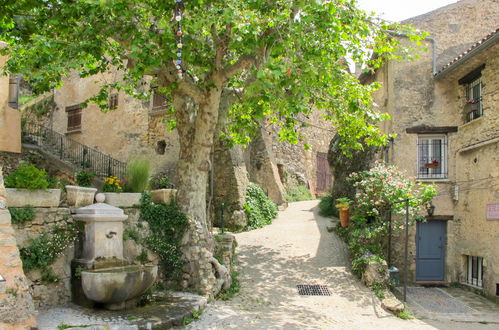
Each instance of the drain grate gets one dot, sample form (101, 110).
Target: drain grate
(313, 290)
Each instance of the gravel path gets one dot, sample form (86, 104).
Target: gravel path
(298, 249)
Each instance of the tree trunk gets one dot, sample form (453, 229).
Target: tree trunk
(196, 125)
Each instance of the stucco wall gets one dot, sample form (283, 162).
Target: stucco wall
(128, 131)
(10, 119)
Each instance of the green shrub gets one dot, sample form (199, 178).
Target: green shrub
(84, 178)
(138, 174)
(27, 177)
(167, 224)
(44, 249)
(22, 214)
(327, 208)
(260, 210)
(160, 181)
(296, 192)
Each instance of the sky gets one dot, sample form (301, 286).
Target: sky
(397, 10)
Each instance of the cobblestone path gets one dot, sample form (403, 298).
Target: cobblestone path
(297, 249)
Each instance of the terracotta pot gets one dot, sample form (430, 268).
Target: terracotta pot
(344, 218)
(432, 164)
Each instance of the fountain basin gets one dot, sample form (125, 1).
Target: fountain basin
(114, 286)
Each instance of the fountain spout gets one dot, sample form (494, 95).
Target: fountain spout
(111, 234)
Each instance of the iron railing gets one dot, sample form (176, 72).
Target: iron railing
(66, 149)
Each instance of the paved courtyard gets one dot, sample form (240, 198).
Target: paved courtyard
(297, 249)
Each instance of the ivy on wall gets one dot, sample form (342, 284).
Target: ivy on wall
(260, 210)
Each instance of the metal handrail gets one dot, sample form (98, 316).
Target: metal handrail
(66, 149)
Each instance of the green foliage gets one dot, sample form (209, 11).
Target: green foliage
(296, 192)
(379, 289)
(195, 315)
(11, 291)
(405, 314)
(131, 234)
(22, 214)
(27, 177)
(84, 178)
(64, 326)
(142, 257)
(49, 276)
(161, 181)
(167, 224)
(382, 188)
(326, 207)
(138, 174)
(40, 108)
(260, 210)
(234, 288)
(43, 250)
(286, 55)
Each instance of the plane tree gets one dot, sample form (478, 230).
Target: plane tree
(265, 60)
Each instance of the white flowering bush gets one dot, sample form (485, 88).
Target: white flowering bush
(380, 191)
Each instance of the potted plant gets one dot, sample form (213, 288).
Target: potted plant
(82, 194)
(161, 189)
(29, 185)
(343, 205)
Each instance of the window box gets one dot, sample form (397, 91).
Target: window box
(122, 199)
(429, 165)
(37, 198)
(80, 196)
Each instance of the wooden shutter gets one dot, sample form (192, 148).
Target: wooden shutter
(74, 118)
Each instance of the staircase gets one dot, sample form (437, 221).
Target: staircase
(78, 155)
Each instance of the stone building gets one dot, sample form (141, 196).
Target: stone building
(138, 127)
(444, 109)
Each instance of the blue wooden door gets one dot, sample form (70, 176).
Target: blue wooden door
(430, 250)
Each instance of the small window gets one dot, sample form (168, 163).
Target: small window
(74, 118)
(475, 271)
(432, 156)
(473, 107)
(159, 101)
(113, 101)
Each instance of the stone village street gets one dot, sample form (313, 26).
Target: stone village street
(298, 249)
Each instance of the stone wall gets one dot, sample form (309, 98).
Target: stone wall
(16, 304)
(413, 97)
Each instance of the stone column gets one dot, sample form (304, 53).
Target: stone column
(16, 305)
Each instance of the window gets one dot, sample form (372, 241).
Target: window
(475, 271)
(432, 156)
(113, 101)
(159, 101)
(74, 118)
(473, 108)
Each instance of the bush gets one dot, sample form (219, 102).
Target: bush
(160, 181)
(167, 224)
(260, 210)
(296, 193)
(27, 177)
(327, 208)
(22, 214)
(138, 175)
(84, 178)
(44, 249)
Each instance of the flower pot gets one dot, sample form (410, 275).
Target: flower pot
(163, 195)
(432, 164)
(37, 198)
(344, 218)
(123, 199)
(80, 196)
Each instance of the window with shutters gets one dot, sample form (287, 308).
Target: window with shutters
(432, 156)
(74, 118)
(159, 101)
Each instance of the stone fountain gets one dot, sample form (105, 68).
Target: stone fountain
(100, 273)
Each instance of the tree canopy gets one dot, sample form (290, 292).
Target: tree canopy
(284, 57)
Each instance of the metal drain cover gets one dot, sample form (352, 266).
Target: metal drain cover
(313, 290)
